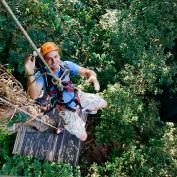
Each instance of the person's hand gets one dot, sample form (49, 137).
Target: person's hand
(30, 65)
(93, 79)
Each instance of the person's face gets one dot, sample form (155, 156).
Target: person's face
(53, 60)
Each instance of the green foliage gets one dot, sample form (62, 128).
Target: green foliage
(152, 159)
(128, 116)
(149, 74)
(26, 166)
(132, 47)
(136, 162)
(18, 117)
(118, 116)
(6, 142)
(145, 63)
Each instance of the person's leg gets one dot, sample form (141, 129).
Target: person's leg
(83, 137)
(91, 102)
(74, 124)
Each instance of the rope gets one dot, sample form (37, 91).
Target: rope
(28, 39)
(31, 115)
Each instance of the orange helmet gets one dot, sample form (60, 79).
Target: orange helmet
(48, 47)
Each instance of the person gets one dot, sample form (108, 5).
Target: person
(68, 98)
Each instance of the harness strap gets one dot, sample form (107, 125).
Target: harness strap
(52, 89)
(59, 107)
(53, 92)
(74, 99)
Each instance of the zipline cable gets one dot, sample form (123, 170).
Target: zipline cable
(28, 39)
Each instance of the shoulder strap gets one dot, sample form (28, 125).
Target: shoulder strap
(63, 66)
(64, 70)
(48, 79)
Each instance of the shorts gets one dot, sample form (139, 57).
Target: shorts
(74, 122)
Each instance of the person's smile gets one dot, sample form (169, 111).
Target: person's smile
(53, 60)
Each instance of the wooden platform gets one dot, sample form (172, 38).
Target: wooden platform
(63, 147)
(48, 146)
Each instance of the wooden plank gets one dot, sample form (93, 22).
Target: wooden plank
(48, 145)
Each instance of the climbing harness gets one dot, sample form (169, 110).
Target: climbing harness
(56, 93)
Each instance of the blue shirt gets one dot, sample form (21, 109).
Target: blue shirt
(74, 70)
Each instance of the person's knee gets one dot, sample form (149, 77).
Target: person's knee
(83, 137)
(105, 104)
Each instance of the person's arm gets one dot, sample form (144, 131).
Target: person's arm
(91, 76)
(34, 87)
